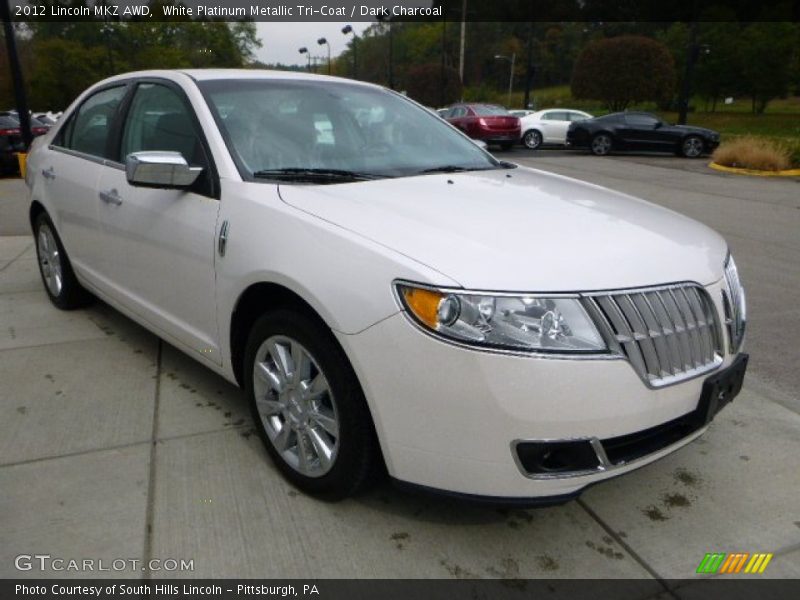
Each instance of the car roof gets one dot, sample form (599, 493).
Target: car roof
(234, 74)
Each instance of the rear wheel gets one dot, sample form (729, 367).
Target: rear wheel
(601, 144)
(308, 406)
(692, 146)
(59, 279)
(532, 139)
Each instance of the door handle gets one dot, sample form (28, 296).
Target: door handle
(110, 197)
(48, 173)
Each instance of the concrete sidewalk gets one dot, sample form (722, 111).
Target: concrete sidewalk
(115, 445)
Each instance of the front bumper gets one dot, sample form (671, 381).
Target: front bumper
(449, 418)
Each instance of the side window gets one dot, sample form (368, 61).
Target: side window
(548, 116)
(643, 121)
(90, 127)
(158, 119)
(458, 111)
(576, 117)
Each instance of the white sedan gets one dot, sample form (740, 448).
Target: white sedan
(548, 126)
(389, 295)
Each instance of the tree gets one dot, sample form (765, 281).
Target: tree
(424, 84)
(766, 51)
(623, 70)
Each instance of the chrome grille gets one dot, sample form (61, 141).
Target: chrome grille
(669, 333)
(734, 304)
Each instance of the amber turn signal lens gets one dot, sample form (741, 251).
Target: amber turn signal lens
(424, 304)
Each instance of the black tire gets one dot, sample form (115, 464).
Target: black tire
(692, 146)
(358, 459)
(507, 146)
(532, 139)
(70, 294)
(602, 143)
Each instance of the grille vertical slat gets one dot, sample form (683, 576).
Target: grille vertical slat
(623, 332)
(702, 321)
(681, 327)
(690, 321)
(656, 332)
(646, 345)
(668, 333)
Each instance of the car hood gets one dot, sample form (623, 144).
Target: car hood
(521, 230)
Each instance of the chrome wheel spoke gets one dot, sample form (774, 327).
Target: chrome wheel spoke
(301, 364)
(302, 452)
(317, 387)
(326, 422)
(283, 360)
(281, 441)
(271, 376)
(322, 447)
(268, 408)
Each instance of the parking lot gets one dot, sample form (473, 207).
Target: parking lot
(115, 445)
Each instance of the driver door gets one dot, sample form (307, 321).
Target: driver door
(159, 243)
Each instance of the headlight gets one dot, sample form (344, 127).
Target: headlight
(523, 323)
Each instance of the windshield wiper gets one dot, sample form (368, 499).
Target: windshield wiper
(313, 175)
(457, 169)
(447, 169)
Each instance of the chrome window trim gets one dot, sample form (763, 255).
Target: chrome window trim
(90, 157)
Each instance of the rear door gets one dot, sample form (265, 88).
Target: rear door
(160, 242)
(554, 126)
(70, 170)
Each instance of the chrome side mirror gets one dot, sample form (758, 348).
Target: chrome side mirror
(160, 169)
(481, 144)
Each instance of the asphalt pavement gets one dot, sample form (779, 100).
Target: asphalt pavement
(115, 445)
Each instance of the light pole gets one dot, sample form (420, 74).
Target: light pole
(322, 41)
(16, 75)
(305, 51)
(512, 60)
(345, 30)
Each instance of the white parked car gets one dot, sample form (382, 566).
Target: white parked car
(387, 293)
(549, 126)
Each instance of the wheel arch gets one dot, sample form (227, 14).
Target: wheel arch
(253, 302)
(36, 208)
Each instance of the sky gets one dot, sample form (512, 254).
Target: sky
(280, 41)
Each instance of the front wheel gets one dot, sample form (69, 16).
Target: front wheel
(308, 406)
(59, 279)
(692, 147)
(601, 144)
(532, 139)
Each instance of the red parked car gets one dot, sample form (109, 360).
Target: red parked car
(488, 122)
(11, 140)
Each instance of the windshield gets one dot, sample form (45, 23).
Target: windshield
(277, 125)
(487, 110)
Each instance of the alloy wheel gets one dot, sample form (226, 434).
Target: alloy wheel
(532, 140)
(601, 145)
(692, 147)
(50, 260)
(296, 405)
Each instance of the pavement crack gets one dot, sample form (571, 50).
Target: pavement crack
(148, 532)
(631, 552)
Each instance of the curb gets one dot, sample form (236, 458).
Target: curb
(755, 172)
